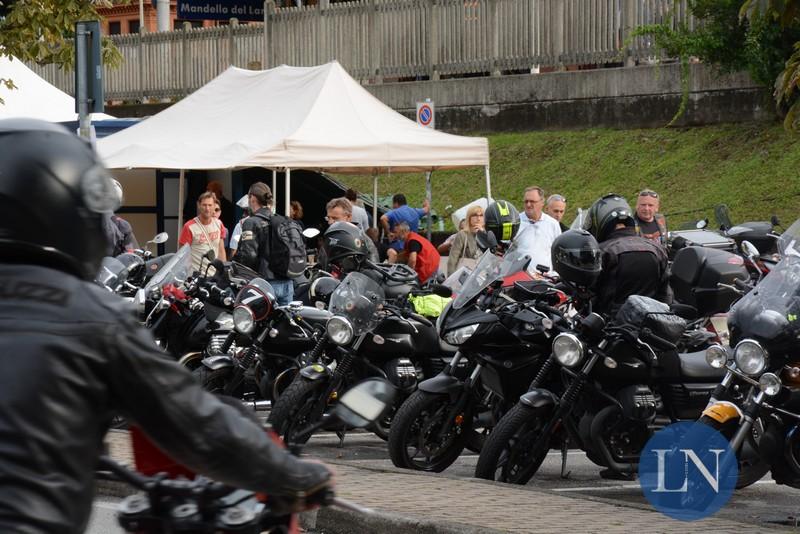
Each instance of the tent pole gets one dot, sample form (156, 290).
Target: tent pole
(274, 184)
(287, 204)
(428, 198)
(181, 180)
(375, 199)
(488, 183)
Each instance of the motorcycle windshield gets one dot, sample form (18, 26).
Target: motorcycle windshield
(778, 293)
(112, 272)
(357, 298)
(490, 268)
(177, 269)
(580, 219)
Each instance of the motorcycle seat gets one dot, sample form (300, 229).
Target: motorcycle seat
(694, 365)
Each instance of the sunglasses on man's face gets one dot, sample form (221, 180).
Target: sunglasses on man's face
(648, 193)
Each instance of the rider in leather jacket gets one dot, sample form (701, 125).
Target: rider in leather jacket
(72, 354)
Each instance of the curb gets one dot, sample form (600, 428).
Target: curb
(338, 521)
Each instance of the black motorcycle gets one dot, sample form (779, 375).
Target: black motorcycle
(619, 384)
(502, 343)
(757, 404)
(365, 336)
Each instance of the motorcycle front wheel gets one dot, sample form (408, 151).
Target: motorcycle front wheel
(414, 437)
(212, 381)
(297, 408)
(508, 454)
(752, 467)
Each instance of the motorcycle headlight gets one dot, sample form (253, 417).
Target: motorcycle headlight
(750, 356)
(339, 329)
(243, 319)
(568, 349)
(716, 356)
(770, 384)
(460, 335)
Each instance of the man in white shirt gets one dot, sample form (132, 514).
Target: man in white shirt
(537, 230)
(360, 217)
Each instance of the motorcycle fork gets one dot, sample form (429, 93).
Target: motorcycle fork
(461, 403)
(748, 417)
(721, 388)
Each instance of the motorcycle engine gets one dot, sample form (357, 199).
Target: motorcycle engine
(402, 373)
(638, 403)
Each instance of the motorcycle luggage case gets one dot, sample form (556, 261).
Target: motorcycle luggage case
(758, 233)
(696, 271)
(644, 312)
(699, 238)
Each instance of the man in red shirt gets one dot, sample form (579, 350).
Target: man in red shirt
(204, 232)
(418, 253)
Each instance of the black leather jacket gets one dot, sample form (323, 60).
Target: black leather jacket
(71, 354)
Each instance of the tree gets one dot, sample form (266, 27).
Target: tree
(729, 40)
(42, 30)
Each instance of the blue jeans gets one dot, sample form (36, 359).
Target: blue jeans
(284, 291)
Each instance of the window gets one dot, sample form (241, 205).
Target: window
(133, 26)
(114, 28)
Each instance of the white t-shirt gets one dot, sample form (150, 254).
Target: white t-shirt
(360, 218)
(536, 238)
(235, 235)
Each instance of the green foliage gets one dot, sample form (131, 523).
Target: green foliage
(757, 44)
(751, 167)
(42, 30)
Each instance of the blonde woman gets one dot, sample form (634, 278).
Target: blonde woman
(465, 249)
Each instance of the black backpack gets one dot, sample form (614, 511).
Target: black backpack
(285, 246)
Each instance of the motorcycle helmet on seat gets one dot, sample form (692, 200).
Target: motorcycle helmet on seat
(605, 214)
(502, 219)
(576, 257)
(345, 247)
(54, 193)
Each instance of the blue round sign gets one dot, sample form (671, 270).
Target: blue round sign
(688, 471)
(425, 114)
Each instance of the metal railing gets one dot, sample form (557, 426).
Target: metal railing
(377, 40)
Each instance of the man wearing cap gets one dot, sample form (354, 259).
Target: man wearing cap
(649, 223)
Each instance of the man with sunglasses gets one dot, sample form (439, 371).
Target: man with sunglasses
(649, 223)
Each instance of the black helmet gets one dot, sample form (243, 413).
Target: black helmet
(575, 255)
(53, 195)
(345, 246)
(605, 214)
(502, 218)
(320, 290)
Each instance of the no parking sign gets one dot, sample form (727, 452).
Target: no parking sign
(425, 114)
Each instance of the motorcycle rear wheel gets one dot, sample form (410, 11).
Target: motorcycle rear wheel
(752, 467)
(212, 381)
(414, 432)
(295, 409)
(507, 454)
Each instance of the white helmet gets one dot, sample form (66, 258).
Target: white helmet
(118, 193)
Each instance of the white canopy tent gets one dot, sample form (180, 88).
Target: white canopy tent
(315, 118)
(34, 97)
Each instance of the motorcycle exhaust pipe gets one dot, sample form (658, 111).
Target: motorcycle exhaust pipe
(258, 405)
(595, 433)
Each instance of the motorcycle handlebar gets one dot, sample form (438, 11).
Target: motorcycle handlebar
(648, 336)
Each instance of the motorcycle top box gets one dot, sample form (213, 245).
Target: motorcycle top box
(696, 271)
(699, 238)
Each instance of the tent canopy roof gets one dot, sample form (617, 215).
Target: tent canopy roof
(287, 117)
(34, 97)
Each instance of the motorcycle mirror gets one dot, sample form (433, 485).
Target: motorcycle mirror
(486, 239)
(702, 223)
(750, 249)
(310, 233)
(774, 220)
(210, 255)
(442, 291)
(722, 215)
(160, 238)
(365, 403)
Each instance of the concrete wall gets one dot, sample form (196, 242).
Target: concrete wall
(635, 97)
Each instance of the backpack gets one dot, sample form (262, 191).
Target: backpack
(284, 244)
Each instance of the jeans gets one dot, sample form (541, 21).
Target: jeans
(284, 291)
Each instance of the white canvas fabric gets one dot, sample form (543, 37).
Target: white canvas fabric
(34, 97)
(315, 118)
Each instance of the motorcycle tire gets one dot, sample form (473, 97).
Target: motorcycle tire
(421, 416)
(506, 455)
(212, 381)
(751, 469)
(293, 409)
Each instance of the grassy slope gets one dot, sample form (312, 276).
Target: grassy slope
(754, 168)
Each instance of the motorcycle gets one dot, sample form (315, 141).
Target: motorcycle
(202, 505)
(502, 344)
(126, 273)
(365, 336)
(757, 403)
(621, 382)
